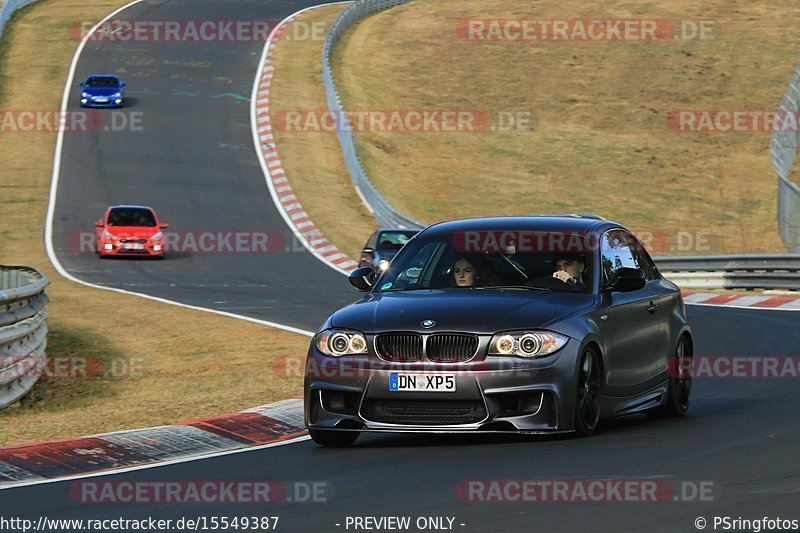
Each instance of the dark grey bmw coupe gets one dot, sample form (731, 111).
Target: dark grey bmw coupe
(540, 324)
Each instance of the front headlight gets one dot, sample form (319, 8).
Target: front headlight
(157, 237)
(383, 264)
(337, 343)
(116, 95)
(108, 236)
(85, 95)
(526, 343)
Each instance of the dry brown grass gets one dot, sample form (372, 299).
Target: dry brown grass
(184, 375)
(313, 160)
(601, 143)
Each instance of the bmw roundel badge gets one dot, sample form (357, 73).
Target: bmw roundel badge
(428, 323)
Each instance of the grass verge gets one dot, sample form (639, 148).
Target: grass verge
(600, 141)
(165, 372)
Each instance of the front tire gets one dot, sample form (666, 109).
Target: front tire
(337, 439)
(680, 380)
(587, 397)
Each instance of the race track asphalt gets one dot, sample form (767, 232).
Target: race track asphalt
(184, 147)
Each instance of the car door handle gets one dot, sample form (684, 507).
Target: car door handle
(653, 308)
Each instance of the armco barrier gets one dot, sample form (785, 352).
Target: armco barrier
(23, 331)
(383, 212)
(733, 271)
(8, 9)
(783, 151)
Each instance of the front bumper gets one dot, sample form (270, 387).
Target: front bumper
(111, 102)
(493, 394)
(119, 249)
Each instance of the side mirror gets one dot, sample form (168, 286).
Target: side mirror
(99, 224)
(628, 279)
(122, 84)
(363, 278)
(163, 225)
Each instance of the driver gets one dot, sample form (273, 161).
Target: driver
(464, 272)
(569, 269)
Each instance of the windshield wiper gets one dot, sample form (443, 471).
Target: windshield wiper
(410, 289)
(513, 264)
(519, 287)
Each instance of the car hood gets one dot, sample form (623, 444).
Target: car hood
(132, 231)
(102, 91)
(476, 310)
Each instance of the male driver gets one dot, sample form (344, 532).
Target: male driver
(569, 269)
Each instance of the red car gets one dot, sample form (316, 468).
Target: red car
(130, 230)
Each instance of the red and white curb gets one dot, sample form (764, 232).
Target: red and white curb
(755, 301)
(264, 426)
(285, 200)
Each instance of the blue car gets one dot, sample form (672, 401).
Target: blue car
(102, 91)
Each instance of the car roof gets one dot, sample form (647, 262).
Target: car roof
(558, 222)
(403, 230)
(101, 76)
(129, 206)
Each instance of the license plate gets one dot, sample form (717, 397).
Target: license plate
(134, 246)
(399, 382)
(101, 100)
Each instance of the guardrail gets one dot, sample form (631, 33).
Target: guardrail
(377, 205)
(8, 9)
(783, 151)
(732, 271)
(23, 331)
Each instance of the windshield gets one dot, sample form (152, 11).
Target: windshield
(128, 216)
(102, 82)
(392, 241)
(440, 262)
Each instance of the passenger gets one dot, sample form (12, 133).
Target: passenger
(569, 269)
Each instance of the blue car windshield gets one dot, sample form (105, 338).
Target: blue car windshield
(453, 261)
(102, 81)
